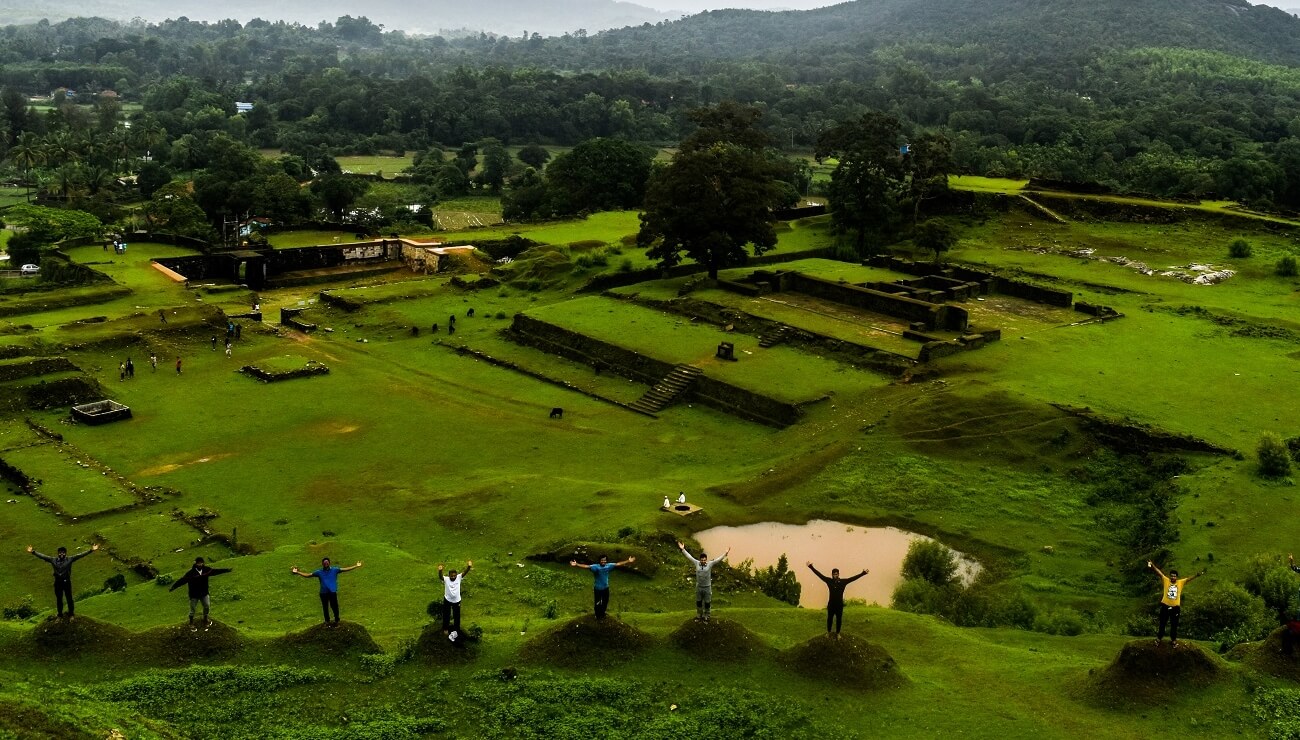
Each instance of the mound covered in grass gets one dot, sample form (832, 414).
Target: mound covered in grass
(178, 644)
(587, 641)
(436, 646)
(1146, 673)
(1267, 657)
(345, 639)
(28, 721)
(81, 635)
(848, 661)
(719, 639)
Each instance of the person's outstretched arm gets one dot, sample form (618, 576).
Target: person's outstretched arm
(1194, 577)
(720, 558)
(84, 553)
(181, 581)
(294, 570)
(1159, 572)
(854, 578)
(572, 564)
(33, 551)
(817, 573)
(218, 571)
(469, 565)
(687, 553)
(350, 567)
(631, 559)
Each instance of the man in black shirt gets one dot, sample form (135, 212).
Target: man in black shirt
(62, 565)
(197, 580)
(836, 585)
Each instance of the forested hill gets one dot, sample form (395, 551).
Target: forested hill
(1019, 29)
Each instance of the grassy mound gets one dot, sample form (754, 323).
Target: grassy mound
(178, 645)
(719, 639)
(1144, 673)
(587, 641)
(1267, 657)
(347, 639)
(543, 266)
(81, 635)
(848, 661)
(434, 645)
(27, 721)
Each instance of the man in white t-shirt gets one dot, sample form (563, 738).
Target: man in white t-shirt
(451, 597)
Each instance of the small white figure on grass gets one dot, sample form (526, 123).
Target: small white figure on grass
(681, 497)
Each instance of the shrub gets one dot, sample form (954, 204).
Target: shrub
(625, 265)
(778, 581)
(1286, 267)
(552, 610)
(1064, 621)
(162, 579)
(1268, 578)
(1239, 248)
(24, 609)
(1274, 457)
(930, 561)
(1227, 613)
(600, 259)
(919, 596)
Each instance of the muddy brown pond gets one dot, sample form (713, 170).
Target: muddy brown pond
(828, 545)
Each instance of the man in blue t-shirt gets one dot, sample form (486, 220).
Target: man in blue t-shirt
(329, 586)
(601, 571)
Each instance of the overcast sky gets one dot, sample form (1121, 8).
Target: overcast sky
(696, 6)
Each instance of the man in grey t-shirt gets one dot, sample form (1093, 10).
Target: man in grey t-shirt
(703, 581)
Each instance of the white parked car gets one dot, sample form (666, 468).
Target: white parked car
(29, 269)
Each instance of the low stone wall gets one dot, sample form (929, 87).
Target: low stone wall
(933, 315)
(32, 366)
(710, 392)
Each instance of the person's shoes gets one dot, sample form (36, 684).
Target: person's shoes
(194, 628)
(1158, 643)
(71, 616)
(1173, 643)
(336, 624)
(207, 625)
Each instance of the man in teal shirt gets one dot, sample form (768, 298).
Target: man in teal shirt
(329, 586)
(601, 572)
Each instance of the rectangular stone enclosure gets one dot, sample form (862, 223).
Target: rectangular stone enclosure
(101, 412)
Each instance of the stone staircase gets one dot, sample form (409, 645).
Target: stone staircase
(774, 336)
(668, 389)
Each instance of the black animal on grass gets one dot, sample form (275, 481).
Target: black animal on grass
(557, 413)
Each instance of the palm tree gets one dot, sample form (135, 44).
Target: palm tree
(26, 153)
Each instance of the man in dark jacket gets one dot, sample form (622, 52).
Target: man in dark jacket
(835, 605)
(197, 580)
(62, 565)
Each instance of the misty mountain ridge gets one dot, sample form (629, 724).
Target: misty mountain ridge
(430, 17)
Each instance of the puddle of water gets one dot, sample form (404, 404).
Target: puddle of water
(828, 545)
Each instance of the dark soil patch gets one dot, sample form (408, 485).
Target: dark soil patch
(1144, 673)
(719, 639)
(178, 645)
(848, 661)
(81, 635)
(587, 641)
(346, 639)
(436, 646)
(1267, 657)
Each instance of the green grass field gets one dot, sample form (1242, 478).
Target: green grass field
(409, 453)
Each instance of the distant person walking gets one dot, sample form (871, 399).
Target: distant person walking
(703, 580)
(451, 598)
(329, 586)
(228, 346)
(153, 361)
(121, 371)
(62, 565)
(601, 571)
(178, 366)
(1171, 602)
(835, 604)
(214, 342)
(130, 368)
(196, 578)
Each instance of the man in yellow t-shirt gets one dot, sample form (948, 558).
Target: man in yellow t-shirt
(1171, 602)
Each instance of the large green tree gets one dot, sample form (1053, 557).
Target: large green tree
(868, 175)
(715, 199)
